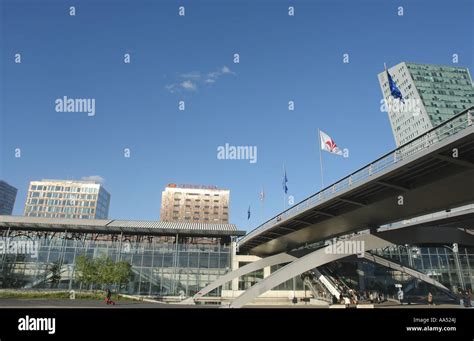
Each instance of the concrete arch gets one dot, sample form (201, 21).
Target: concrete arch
(254, 266)
(305, 263)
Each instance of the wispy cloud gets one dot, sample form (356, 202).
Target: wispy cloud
(195, 75)
(191, 81)
(188, 85)
(226, 70)
(96, 178)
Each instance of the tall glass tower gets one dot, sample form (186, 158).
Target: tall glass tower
(431, 95)
(7, 198)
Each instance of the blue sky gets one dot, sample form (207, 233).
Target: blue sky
(282, 58)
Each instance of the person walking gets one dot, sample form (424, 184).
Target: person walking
(108, 297)
(400, 295)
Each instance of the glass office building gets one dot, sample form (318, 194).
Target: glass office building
(431, 94)
(67, 199)
(167, 259)
(7, 198)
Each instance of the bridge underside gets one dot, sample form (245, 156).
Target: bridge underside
(310, 261)
(410, 235)
(321, 257)
(432, 181)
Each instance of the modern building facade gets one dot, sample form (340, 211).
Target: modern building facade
(67, 199)
(167, 259)
(431, 95)
(7, 198)
(190, 203)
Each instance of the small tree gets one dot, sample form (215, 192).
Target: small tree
(102, 271)
(105, 270)
(55, 274)
(122, 273)
(85, 270)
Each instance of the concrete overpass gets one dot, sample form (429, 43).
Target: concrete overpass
(437, 228)
(432, 173)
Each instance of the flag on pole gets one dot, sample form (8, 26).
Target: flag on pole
(262, 195)
(248, 213)
(328, 144)
(285, 180)
(394, 90)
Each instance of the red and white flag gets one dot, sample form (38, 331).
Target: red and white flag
(328, 144)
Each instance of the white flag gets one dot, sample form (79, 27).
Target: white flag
(328, 144)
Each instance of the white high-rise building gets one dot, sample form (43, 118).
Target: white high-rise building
(67, 199)
(431, 94)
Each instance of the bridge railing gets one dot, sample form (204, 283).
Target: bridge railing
(448, 128)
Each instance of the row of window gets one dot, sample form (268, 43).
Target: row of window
(50, 202)
(196, 200)
(436, 68)
(74, 189)
(60, 209)
(197, 219)
(198, 212)
(62, 195)
(442, 80)
(199, 206)
(194, 194)
(58, 215)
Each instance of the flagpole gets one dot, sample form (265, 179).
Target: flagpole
(248, 218)
(284, 186)
(320, 159)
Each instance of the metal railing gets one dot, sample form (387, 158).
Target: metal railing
(437, 134)
(426, 217)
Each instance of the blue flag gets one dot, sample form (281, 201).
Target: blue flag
(394, 90)
(248, 213)
(285, 180)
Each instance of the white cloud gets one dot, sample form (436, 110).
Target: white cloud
(226, 70)
(213, 75)
(222, 71)
(188, 85)
(96, 178)
(171, 88)
(195, 78)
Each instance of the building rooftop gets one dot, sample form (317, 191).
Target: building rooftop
(191, 186)
(69, 181)
(118, 226)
